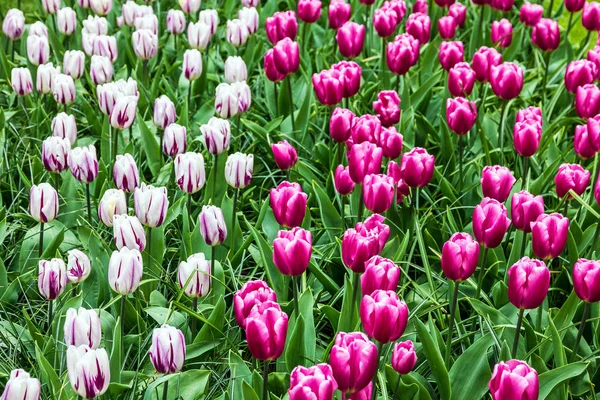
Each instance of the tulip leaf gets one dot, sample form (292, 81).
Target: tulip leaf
(409, 386)
(117, 353)
(471, 372)
(151, 146)
(329, 215)
(561, 321)
(349, 313)
(217, 319)
(436, 363)
(295, 348)
(551, 379)
(49, 376)
(240, 373)
(189, 384)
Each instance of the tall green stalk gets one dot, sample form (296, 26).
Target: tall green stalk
(451, 325)
(517, 333)
(586, 312)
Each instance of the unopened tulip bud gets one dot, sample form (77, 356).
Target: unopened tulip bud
(83, 163)
(285, 155)
(364, 159)
(151, 204)
(125, 173)
(167, 352)
(216, 134)
(175, 22)
(385, 20)
(378, 192)
(63, 89)
(497, 182)
(101, 7)
(390, 142)
(383, 315)
(237, 32)
(148, 21)
(528, 283)
(13, 24)
(189, 172)
(525, 209)
(288, 202)
(357, 350)
(571, 177)
(38, 49)
(43, 203)
(286, 56)
(450, 54)
(583, 142)
(190, 6)
(226, 101)
(199, 35)
(490, 222)
(54, 153)
(417, 167)
(340, 123)
(21, 81)
(21, 386)
(461, 115)
(52, 278)
(549, 235)
(357, 248)
(459, 12)
(194, 276)
(579, 73)
(530, 14)
(271, 71)
(192, 64)
(88, 370)
(50, 6)
(514, 376)
(78, 266)
(101, 70)
(574, 5)
(45, 77)
(502, 33)
(350, 73)
(447, 27)
(266, 331)
(586, 280)
(175, 140)
(527, 137)
(418, 25)
(483, 60)
(338, 13)
(212, 225)
(128, 232)
(587, 101)
(281, 25)
(380, 274)
(328, 86)
(144, 43)
(66, 19)
(82, 327)
(506, 80)
(125, 270)
(238, 170)
(112, 203)
(164, 112)
(342, 181)
(350, 38)
(292, 250)
(460, 255)
(249, 16)
(251, 294)
(461, 80)
(545, 34)
(387, 107)
(309, 11)
(590, 17)
(106, 46)
(123, 113)
(404, 356)
(211, 18)
(235, 69)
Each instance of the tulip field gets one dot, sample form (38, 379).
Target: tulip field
(299, 199)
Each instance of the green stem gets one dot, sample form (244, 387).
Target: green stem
(569, 26)
(212, 259)
(50, 316)
(265, 380)
(361, 203)
(291, 98)
(195, 308)
(115, 144)
(166, 384)
(549, 9)
(89, 202)
(355, 282)
(523, 244)
(295, 291)
(234, 219)
(41, 242)
(343, 212)
(451, 325)
(122, 323)
(379, 356)
(276, 99)
(517, 333)
(460, 162)
(56, 182)
(190, 219)
(545, 81)
(397, 386)
(538, 322)
(214, 185)
(586, 312)
(501, 132)
(481, 15)
(481, 273)
(524, 184)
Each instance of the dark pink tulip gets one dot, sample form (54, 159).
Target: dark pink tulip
(417, 167)
(404, 357)
(579, 73)
(288, 202)
(285, 155)
(490, 222)
(530, 13)
(364, 159)
(329, 87)
(251, 294)
(420, 6)
(399, 6)
(402, 53)
(587, 101)
(530, 113)
(527, 136)
(496, 182)
(314, 383)
(461, 79)
(574, 5)
(365, 128)
(483, 60)
(502, 33)
(342, 181)
(460, 255)
(340, 123)
(461, 115)
(380, 274)
(374, 227)
(351, 74)
(281, 25)
(502, 5)
(444, 3)
(549, 235)
(353, 360)
(286, 56)
(506, 80)
(292, 251)
(586, 280)
(594, 56)
(309, 11)
(270, 70)
(350, 38)
(266, 331)
(545, 34)
(447, 27)
(480, 2)
(419, 25)
(384, 317)
(450, 54)
(390, 142)
(402, 189)
(339, 13)
(525, 208)
(378, 192)
(385, 20)
(357, 248)
(528, 283)
(583, 145)
(571, 176)
(387, 107)
(590, 18)
(514, 379)
(459, 12)
(364, 394)
(593, 127)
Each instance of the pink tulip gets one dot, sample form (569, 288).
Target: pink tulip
(315, 383)
(459, 12)
(530, 14)
(13, 25)
(365, 128)
(288, 202)
(390, 142)
(380, 274)
(342, 181)
(266, 331)
(527, 136)
(399, 6)
(597, 191)
(502, 5)
(357, 248)
(530, 113)
(374, 227)
(387, 107)
(545, 34)
(351, 74)
(404, 356)
(583, 145)
(586, 280)
(490, 222)
(574, 5)
(593, 127)
(579, 73)
(309, 11)
(353, 360)
(461, 115)
(528, 283)
(339, 13)
(460, 255)
(496, 182)
(292, 251)
(402, 53)
(549, 235)
(502, 33)
(590, 18)
(364, 159)
(285, 155)
(350, 38)
(286, 56)
(506, 80)
(384, 21)
(271, 71)
(402, 189)
(281, 25)
(514, 379)
(420, 6)
(447, 27)
(594, 56)
(525, 208)
(329, 87)
(383, 315)
(378, 192)
(483, 60)
(340, 123)
(571, 176)
(587, 101)
(418, 25)
(251, 294)
(417, 167)
(461, 80)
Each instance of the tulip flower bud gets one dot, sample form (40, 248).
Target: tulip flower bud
(530, 14)
(175, 140)
(385, 20)
(82, 327)
(21, 386)
(13, 25)
(45, 78)
(460, 255)
(584, 142)
(164, 112)
(226, 101)
(288, 202)
(387, 107)
(128, 232)
(250, 3)
(459, 12)
(292, 251)
(113, 202)
(483, 60)
(357, 248)
(364, 159)
(123, 113)
(533, 114)
(549, 235)
(378, 192)
(399, 6)
(402, 189)
(404, 356)
(148, 21)
(309, 11)
(38, 49)
(63, 89)
(350, 38)
(490, 222)
(525, 209)
(190, 6)
(340, 123)
(251, 294)
(350, 73)
(328, 86)
(286, 56)
(380, 274)
(374, 227)
(237, 32)
(594, 56)
(574, 5)
(383, 315)
(545, 34)
(528, 283)
(579, 73)
(83, 163)
(447, 27)
(338, 13)
(101, 7)
(189, 172)
(88, 370)
(417, 167)
(101, 70)
(54, 153)
(144, 43)
(235, 69)
(586, 280)
(590, 18)
(43, 203)
(514, 376)
(194, 276)
(52, 278)
(497, 182)
(450, 54)
(571, 176)
(342, 181)
(167, 352)
(175, 22)
(418, 25)
(266, 331)
(216, 134)
(461, 115)
(212, 225)
(249, 16)
(78, 266)
(151, 204)
(66, 19)
(527, 137)
(365, 128)
(106, 46)
(210, 18)
(50, 6)
(281, 25)
(270, 70)
(285, 155)
(315, 383)
(238, 170)
(587, 101)
(125, 173)
(192, 64)
(390, 142)
(461, 79)
(506, 80)
(199, 35)
(125, 269)
(502, 32)
(354, 349)
(21, 81)
(37, 29)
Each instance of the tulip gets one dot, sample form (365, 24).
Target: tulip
(549, 235)
(125, 270)
(373, 227)
(365, 128)
(250, 295)
(338, 14)
(38, 49)
(402, 189)
(387, 107)
(189, 172)
(514, 379)
(66, 19)
(192, 64)
(490, 222)
(364, 159)
(199, 35)
(243, 95)
(460, 255)
(292, 251)
(43, 203)
(281, 25)
(579, 73)
(461, 79)
(288, 203)
(450, 54)
(54, 153)
(497, 182)
(83, 163)
(583, 142)
(380, 274)
(418, 25)
(506, 80)
(21, 81)
(37, 29)
(461, 115)
(82, 327)
(328, 86)
(74, 63)
(353, 361)
(112, 203)
(123, 113)
(378, 192)
(390, 142)
(574, 5)
(309, 11)
(194, 276)
(530, 113)
(270, 70)
(342, 181)
(226, 101)
(571, 176)
(266, 331)
(483, 60)
(399, 7)
(238, 170)
(148, 21)
(50, 6)
(447, 27)
(597, 191)
(350, 38)
(527, 137)
(78, 266)
(237, 32)
(216, 134)
(383, 315)
(167, 352)
(417, 167)
(189, 6)
(530, 14)
(63, 89)
(175, 22)
(528, 283)
(144, 43)
(249, 16)
(525, 209)
(250, 3)
(351, 74)
(13, 25)
(545, 34)
(458, 12)
(285, 155)
(502, 33)
(316, 383)
(164, 112)
(151, 204)
(340, 123)
(128, 232)
(45, 77)
(286, 56)
(21, 386)
(587, 101)
(101, 7)
(235, 69)
(404, 356)
(420, 6)
(212, 225)
(88, 370)
(175, 140)
(385, 21)
(101, 70)
(357, 248)
(52, 278)
(125, 173)
(590, 18)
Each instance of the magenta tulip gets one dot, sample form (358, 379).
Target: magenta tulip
(461, 79)
(383, 315)
(483, 60)
(380, 274)
(417, 167)
(530, 14)
(314, 383)
(525, 208)
(390, 142)
(339, 13)
(549, 235)
(285, 155)
(404, 357)
(364, 159)
(378, 192)
(251, 294)
(490, 222)
(545, 34)
(309, 11)
(288, 202)
(587, 101)
(590, 18)
(450, 54)
(579, 73)
(387, 107)
(350, 38)
(514, 379)
(266, 331)
(353, 360)
(281, 25)
(571, 176)
(528, 283)
(496, 182)
(586, 280)
(502, 32)
(461, 115)
(342, 181)
(357, 248)
(460, 255)
(418, 25)
(447, 27)
(340, 123)
(292, 251)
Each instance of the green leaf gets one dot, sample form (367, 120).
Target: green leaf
(49, 376)
(329, 215)
(240, 373)
(116, 355)
(471, 372)
(551, 379)
(151, 146)
(295, 346)
(436, 363)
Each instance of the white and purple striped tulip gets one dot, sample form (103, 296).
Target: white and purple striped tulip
(125, 270)
(21, 81)
(64, 126)
(151, 204)
(52, 278)
(63, 89)
(217, 134)
(238, 170)
(88, 370)
(126, 175)
(21, 386)
(189, 172)
(164, 112)
(128, 232)
(78, 266)
(55, 151)
(112, 203)
(83, 163)
(167, 352)
(43, 202)
(82, 327)
(194, 276)
(212, 225)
